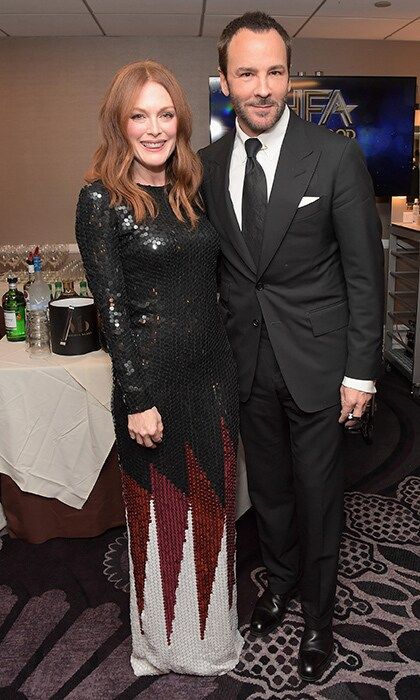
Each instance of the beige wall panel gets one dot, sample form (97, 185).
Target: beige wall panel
(51, 89)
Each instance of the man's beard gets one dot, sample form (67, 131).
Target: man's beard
(242, 113)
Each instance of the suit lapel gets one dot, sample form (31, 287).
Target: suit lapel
(222, 203)
(294, 170)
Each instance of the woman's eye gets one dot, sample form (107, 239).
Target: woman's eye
(136, 117)
(167, 115)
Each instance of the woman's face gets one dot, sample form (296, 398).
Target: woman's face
(151, 130)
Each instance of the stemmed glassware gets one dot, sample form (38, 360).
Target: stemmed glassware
(58, 262)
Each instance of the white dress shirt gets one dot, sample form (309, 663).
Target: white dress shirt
(267, 156)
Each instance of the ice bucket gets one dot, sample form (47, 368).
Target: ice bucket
(74, 326)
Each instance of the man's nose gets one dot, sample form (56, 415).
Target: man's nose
(263, 88)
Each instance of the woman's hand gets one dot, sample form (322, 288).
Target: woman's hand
(146, 428)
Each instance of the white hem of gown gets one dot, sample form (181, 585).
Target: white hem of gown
(187, 653)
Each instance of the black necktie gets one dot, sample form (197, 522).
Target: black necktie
(254, 200)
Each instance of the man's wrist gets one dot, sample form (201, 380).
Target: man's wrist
(367, 385)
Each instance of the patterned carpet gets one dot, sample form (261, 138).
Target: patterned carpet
(64, 629)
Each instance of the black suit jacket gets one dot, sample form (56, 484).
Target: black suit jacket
(319, 282)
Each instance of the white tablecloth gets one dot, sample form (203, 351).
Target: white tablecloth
(56, 425)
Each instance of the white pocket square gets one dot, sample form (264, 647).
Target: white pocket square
(306, 200)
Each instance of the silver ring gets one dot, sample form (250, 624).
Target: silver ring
(350, 416)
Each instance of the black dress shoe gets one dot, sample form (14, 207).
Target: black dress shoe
(315, 652)
(268, 612)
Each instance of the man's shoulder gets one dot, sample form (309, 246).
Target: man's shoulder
(322, 136)
(213, 150)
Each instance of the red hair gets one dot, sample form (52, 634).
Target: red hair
(113, 160)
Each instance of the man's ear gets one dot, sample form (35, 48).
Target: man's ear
(223, 83)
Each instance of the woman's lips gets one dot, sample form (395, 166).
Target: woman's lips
(153, 145)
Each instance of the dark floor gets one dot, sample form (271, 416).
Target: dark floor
(64, 628)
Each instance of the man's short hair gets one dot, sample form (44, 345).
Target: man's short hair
(256, 22)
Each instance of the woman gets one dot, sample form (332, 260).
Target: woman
(150, 259)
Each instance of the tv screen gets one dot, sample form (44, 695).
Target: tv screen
(377, 111)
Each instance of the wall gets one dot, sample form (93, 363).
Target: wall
(50, 91)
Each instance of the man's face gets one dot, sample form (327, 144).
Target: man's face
(257, 79)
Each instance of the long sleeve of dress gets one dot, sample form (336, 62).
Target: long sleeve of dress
(96, 236)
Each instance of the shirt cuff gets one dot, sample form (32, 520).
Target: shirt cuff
(366, 385)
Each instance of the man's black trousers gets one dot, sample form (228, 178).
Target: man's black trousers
(295, 480)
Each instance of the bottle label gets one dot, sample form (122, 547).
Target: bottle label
(15, 323)
(10, 320)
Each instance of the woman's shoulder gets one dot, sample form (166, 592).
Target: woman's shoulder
(96, 192)
(94, 200)
(94, 195)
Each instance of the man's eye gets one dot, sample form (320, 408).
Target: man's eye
(245, 74)
(276, 72)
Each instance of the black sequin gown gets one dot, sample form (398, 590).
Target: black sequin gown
(155, 287)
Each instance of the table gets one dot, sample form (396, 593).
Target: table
(36, 518)
(57, 436)
(57, 425)
(47, 408)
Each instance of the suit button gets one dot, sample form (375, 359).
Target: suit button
(260, 286)
(256, 322)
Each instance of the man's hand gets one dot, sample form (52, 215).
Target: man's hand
(353, 402)
(146, 428)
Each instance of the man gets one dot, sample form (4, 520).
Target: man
(301, 293)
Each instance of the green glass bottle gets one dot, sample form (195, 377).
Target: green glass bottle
(58, 290)
(13, 303)
(83, 288)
